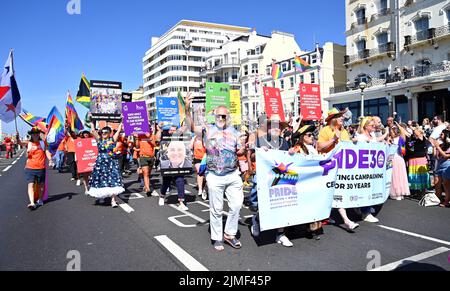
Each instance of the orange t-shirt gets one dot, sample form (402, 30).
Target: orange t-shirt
(36, 156)
(120, 147)
(147, 146)
(62, 146)
(199, 149)
(70, 145)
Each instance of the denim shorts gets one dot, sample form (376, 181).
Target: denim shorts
(35, 176)
(442, 168)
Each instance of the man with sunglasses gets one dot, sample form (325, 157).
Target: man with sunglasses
(222, 176)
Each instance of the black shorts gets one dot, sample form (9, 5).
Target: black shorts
(196, 161)
(146, 162)
(35, 176)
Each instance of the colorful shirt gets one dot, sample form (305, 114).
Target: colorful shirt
(221, 148)
(36, 156)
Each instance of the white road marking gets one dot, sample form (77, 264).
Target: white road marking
(181, 255)
(413, 259)
(174, 219)
(13, 163)
(189, 214)
(192, 185)
(127, 208)
(416, 235)
(7, 168)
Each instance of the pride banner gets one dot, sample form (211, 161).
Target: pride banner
(292, 189)
(302, 189)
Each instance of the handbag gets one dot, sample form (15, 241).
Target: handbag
(429, 200)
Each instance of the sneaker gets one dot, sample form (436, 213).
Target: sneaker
(351, 225)
(155, 194)
(182, 207)
(86, 192)
(255, 227)
(399, 198)
(283, 240)
(370, 218)
(78, 182)
(72, 179)
(161, 202)
(114, 204)
(204, 195)
(31, 206)
(39, 203)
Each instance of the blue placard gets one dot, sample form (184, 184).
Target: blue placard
(168, 112)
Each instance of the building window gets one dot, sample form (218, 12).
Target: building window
(257, 109)
(383, 6)
(254, 68)
(268, 71)
(313, 78)
(225, 59)
(282, 84)
(245, 70)
(302, 79)
(258, 50)
(361, 16)
(313, 59)
(421, 25)
(226, 77)
(246, 108)
(382, 39)
(292, 82)
(245, 89)
(284, 67)
(447, 12)
(383, 74)
(361, 45)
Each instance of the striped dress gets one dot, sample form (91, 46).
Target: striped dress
(418, 171)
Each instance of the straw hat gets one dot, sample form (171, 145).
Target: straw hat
(334, 113)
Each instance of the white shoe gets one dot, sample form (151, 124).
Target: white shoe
(204, 195)
(155, 194)
(371, 218)
(255, 227)
(399, 198)
(351, 225)
(182, 207)
(282, 239)
(161, 202)
(78, 182)
(114, 204)
(39, 203)
(72, 179)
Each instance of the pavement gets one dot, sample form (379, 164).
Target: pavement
(141, 235)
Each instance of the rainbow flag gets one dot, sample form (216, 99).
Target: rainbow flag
(72, 116)
(32, 120)
(181, 108)
(84, 92)
(55, 133)
(301, 65)
(276, 72)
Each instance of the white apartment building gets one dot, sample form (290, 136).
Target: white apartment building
(172, 64)
(400, 50)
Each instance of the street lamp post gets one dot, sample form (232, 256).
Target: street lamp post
(362, 86)
(187, 44)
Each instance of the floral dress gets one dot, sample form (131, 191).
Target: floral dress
(106, 179)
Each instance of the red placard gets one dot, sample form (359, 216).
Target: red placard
(274, 105)
(311, 104)
(86, 152)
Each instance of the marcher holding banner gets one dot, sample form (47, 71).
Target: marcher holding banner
(222, 146)
(106, 180)
(268, 136)
(89, 155)
(145, 146)
(329, 137)
(400, 184)
(305, 146)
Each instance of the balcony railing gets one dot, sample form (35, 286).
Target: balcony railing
(381, 13)
(398, 76)
(365, 54)
(427, 35)
(359, 21)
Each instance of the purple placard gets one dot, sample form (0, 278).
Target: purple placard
(135, 119)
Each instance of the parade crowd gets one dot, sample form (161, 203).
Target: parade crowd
(421, 165)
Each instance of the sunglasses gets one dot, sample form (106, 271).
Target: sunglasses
(105, 132)
(221, 117)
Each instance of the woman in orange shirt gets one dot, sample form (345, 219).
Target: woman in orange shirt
(35, 167)
(199, 151)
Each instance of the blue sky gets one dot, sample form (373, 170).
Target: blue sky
(109, 39)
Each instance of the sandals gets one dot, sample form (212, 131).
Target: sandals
(233, 242)
(218, 246)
